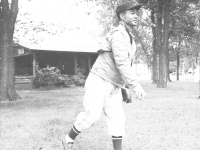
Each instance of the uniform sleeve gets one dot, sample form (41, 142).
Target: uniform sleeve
(120, 48)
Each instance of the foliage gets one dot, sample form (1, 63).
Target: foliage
(52, 77)
(79, 79)
(183, 29)
(186, 30)
(35, 23)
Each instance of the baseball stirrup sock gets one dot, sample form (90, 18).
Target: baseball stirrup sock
(73, 132)
(117, 142)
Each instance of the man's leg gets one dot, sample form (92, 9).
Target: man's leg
(117, 142)
(115, 118)
(69, 139)
(95, 92)
(73, 133)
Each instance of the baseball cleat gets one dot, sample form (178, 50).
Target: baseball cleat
(67, 146)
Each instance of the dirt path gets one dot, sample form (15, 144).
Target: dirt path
(169, 119)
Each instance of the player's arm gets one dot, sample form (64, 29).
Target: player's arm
(120, 48)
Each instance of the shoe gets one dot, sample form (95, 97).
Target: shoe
(67, 146)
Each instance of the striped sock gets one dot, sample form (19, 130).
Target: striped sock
(117, 142)
(73, 132)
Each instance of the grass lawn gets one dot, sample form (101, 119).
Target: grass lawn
(168, 119)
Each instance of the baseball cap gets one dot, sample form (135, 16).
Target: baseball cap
(127, 5)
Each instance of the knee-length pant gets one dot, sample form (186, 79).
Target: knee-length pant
(101, 95)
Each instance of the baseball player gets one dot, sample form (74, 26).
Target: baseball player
(111, 71)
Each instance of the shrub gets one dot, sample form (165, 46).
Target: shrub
(79, 79)
(51, 76)
(67, 81)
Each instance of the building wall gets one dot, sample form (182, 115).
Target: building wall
(63, 61)
(67, 62)
(23, 65)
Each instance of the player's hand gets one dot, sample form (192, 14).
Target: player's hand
(139, 91)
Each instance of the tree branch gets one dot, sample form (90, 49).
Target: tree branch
(5, 5)
(14, 11)
(0, 10)
(13, 16)
(14, 6)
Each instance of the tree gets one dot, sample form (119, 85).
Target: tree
(164, 44)
(162, 67)
(172, 19)
(160, 10)
(155, 51)
(183, 30)
(8, 15)
(35, 23)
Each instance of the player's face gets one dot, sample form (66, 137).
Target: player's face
(130, 17)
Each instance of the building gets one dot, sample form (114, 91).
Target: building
(67, 52)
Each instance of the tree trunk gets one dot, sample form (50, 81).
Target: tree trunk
(165, 44)
(178, 57)
(159, 40)
(177, 65)
(155, 53)
(168, 72)
(8, 17)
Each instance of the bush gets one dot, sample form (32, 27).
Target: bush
(51, 77)
(79, 79)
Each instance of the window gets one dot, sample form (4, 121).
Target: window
(20, 51)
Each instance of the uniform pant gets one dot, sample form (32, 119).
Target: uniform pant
(101, 95)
